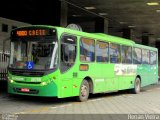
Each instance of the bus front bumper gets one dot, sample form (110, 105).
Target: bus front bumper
(49, 90)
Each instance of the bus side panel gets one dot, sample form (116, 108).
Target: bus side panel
(94, 72)
(148, 74)
(145, 73)
(67, 82)
(69, 86)
(109, 75)
(76, 86)
(126, 82)
(126, 75)
(98, 77)
(154, 74)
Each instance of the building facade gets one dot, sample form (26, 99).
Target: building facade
(6, 25)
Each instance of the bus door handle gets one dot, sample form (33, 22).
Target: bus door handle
(75, 74)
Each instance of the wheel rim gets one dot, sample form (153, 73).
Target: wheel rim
(84, 91)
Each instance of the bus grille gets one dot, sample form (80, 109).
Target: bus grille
(28, 82)
(27, 73)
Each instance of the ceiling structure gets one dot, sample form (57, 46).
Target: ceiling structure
(134, 14)
(31, 11)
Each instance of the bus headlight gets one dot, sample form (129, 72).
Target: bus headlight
(44, 83)
(11, 81)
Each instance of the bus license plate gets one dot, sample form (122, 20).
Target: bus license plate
(25, 90)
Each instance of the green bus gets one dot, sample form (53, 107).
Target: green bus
(60, 62)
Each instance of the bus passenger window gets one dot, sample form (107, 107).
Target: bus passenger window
(145, 56)
(102, 51)
(68, 52)
(153, 57)
(87, 50)
(114, 52)
(137, 55)
(126, 54)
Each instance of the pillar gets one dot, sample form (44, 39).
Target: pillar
(145, 40)
(152, 41)
(64, 14)
(101, 25)
(127, 33)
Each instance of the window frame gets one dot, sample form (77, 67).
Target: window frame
(59, 50)
(80, 49)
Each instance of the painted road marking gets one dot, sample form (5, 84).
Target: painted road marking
(34, 110)
(149, 90)
(130, 96)
(42, 109)
(94, 100)
(53, 107)
(21, 113)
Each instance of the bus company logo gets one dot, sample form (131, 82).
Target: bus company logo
(8, 116)
(120, 69)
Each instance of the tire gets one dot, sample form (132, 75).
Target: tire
(84, 91)
(137, 86)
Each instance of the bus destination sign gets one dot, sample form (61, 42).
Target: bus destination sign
(34, 32)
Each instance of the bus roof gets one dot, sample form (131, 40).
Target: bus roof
(100, 36)
(145, 47)
(97, 36)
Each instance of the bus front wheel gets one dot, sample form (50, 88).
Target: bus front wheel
(84, 91)
(137, 86)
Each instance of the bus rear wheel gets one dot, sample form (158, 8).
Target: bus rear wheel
(137, 86)
(84, 91)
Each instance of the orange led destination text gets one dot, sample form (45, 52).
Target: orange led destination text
(31, 32)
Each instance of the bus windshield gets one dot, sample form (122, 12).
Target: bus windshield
(33, 55)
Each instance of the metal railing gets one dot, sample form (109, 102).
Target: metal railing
(4, 61)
